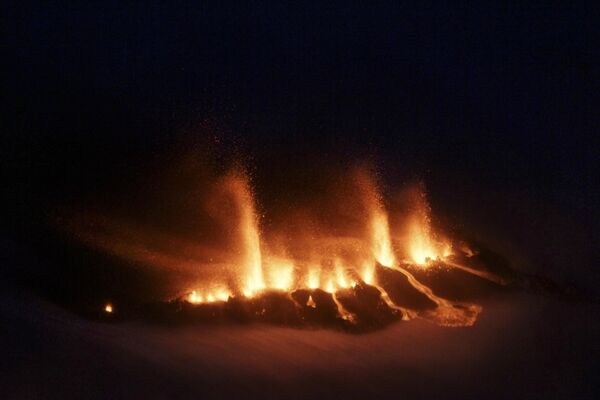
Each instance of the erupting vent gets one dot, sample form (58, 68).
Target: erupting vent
(372, 273)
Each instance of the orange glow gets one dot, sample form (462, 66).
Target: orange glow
(382, 245)
(422, 247)
(341, 279)
(447, 313)
(368, 275)
(332, 255)
(221, 294)
(329, 286)
(345, 314)
(216, 294)
(313, 279)
(195, 298)
(378, 224)
(281, 274)
(250, 237)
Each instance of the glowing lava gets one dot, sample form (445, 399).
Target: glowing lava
(313, 278)
(382, 245)
(280, 271)
(210, 296)
(335, 263)
(237, 183)
(421, 246)
(281, 274)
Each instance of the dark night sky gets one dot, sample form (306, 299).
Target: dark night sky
(494, 100)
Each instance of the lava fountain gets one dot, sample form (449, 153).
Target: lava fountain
(352, 279)
(339, 277)
(236, 184)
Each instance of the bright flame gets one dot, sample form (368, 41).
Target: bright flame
(329, 286)
(248, 227)
(379, 228)
(218, 294)
(195, 298)
(339, 258)
(313, 277)
(281, 274)
(368, 275)
(340, 275)
(221, 294)
(382, 245)
(422, 247)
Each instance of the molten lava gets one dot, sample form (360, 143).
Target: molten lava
(352, 272)
(239, 188)
(334, 274)
(382, 245)
(422, 245)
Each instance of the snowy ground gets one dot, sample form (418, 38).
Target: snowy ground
(523, 346)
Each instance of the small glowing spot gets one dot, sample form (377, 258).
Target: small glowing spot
(467, 250)
(108, 308)
(311, 302)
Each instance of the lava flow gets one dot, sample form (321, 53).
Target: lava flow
(330, 280)
(361, 276)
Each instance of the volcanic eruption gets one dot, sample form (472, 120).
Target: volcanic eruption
(343, 262)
